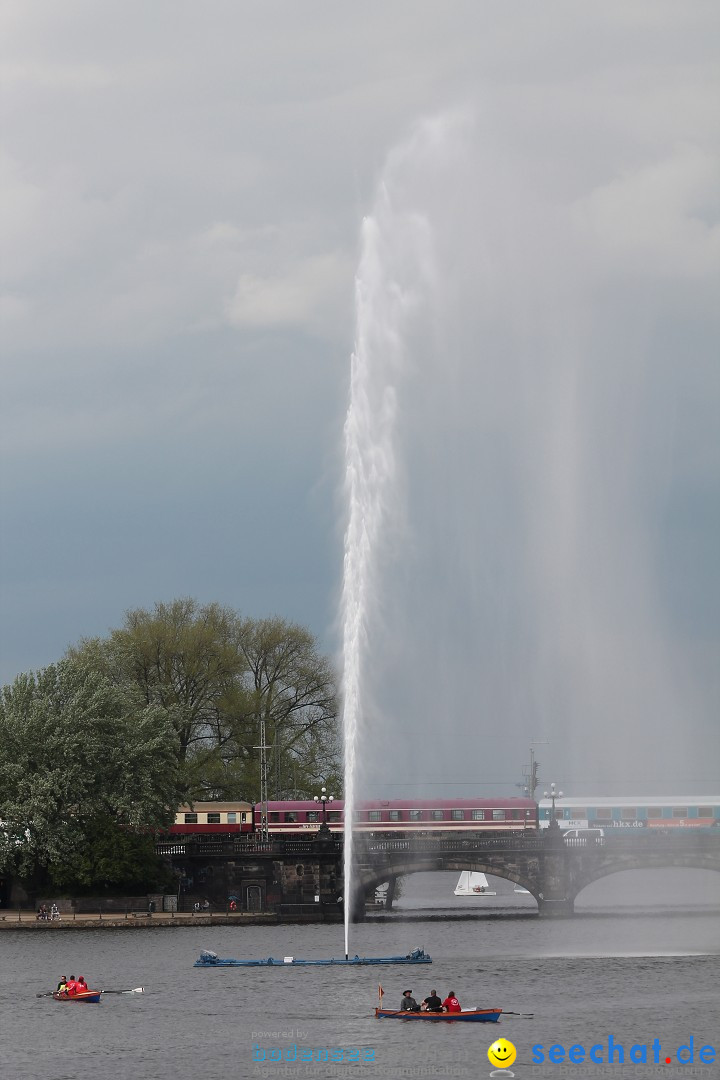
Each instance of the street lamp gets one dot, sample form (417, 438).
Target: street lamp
(324, 798)
(554, 795)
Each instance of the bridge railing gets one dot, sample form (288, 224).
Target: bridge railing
(198, 848)
(526, 842)
(541, 842)
(440, 843)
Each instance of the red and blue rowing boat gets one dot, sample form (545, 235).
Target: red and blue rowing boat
(475, 1016)
(90, 996)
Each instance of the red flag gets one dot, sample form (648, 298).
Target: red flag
(380, 991)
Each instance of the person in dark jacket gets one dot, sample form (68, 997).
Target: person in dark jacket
(408, 1003)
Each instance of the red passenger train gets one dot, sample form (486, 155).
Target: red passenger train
(404, 816)
(393, 817)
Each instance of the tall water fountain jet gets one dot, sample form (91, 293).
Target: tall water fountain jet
(394, 273)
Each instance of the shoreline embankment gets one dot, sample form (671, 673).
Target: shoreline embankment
(28, 921)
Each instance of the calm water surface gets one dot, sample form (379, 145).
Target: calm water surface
(640, 961)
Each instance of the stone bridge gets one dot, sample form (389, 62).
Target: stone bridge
(552, 869)
(307, 873)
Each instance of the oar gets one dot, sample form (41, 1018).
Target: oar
(137, 990)
(50, 994)
(525, 1016)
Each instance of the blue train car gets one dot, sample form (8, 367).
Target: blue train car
(633, 812)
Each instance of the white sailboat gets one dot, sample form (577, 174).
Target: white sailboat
(472, 883)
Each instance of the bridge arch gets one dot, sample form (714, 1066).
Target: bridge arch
(610, 868)
(370, 880)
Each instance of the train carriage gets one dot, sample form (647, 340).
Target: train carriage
(404, 817)
(213, 818)
(633, 812)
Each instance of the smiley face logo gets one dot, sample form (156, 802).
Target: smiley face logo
(501, 1053)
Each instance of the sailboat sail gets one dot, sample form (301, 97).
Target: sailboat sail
(472, 883)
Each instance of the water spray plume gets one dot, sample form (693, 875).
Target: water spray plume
(392, 241)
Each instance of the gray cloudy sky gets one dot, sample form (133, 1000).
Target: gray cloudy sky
(182, 191)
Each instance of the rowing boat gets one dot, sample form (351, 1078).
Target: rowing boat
(477, 1016)
(89, 996)
(211, 959)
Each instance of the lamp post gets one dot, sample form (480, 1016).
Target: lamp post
(324, 798)
(554, 796)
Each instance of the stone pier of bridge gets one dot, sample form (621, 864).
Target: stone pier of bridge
(294, 878)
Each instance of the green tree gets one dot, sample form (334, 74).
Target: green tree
(291, 686)
(215, 675)
(83, 767)
(182, 657)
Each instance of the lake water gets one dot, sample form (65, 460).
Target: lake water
(640, 962)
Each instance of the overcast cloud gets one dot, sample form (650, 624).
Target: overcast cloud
(182, 191)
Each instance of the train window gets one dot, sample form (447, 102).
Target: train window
(438, 815)
(680, 811)
(478, 815)
(191, 819)
(359, 815)
(313, 815)
(416, 815)
(232, 817)
(628, 813)
(334, 815)
(290, 816)
(516, 815)
(578, 812)
(243, 816)
(457, 815)
(498, 815)
(705, 811)
(374, 815)
(213, 819)
(654, 811)
(604, 813)
(395, 815)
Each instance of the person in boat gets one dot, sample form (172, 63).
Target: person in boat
(62, 985)
(451, 1003)
(71, 986)
(432, 1003)
(408, 1003)
(81, 986)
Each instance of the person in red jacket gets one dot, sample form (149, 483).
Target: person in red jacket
(71, 986)
(451, 1003)
(81, 986)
